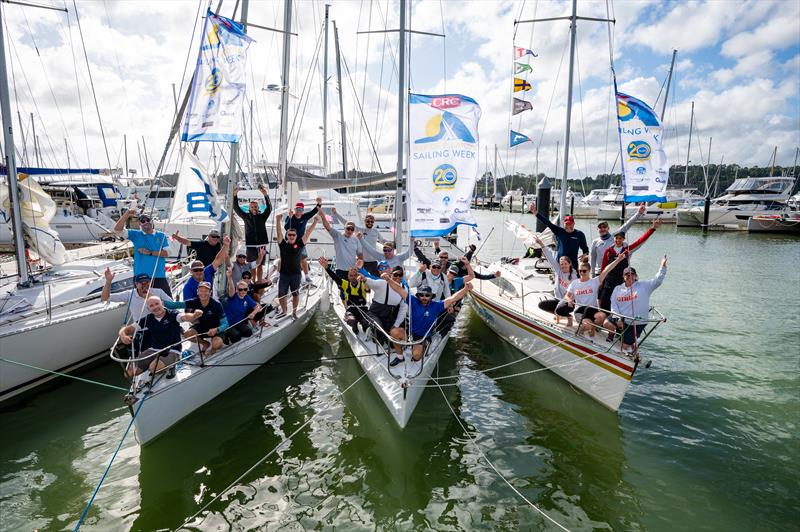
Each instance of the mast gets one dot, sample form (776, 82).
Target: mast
(287, 43)
(125, 149)
(494, 172)
(234, 152)
(11, 164)
(669, 82)
(401, 87)
(562, 204)
(689, 149)
(341, 104)
(774, 157)
(325, 98)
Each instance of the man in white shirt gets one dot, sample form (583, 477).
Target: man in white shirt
(136, 298)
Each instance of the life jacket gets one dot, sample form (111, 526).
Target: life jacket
(355, 293)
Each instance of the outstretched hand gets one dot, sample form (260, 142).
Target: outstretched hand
(324, 262)
(664, 261)
(109, 275)
(642, 208)
(657, 223)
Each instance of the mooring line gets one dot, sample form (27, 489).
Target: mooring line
(60, 374)
(475, 443)
(108, 467)
(270, 453)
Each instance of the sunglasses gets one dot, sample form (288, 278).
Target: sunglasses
(436, 266)
(387, 250)
(584, 271)
(426, 296)
(397, 275)
(241, 289)
(627, 274)
(195, 270)
(215, 237)
(368, 221)
(349, 228)
(291, 235)
(144, 220)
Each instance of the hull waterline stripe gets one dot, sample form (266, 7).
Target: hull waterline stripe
(595, 358)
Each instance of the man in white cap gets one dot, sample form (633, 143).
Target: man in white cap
(241, 264)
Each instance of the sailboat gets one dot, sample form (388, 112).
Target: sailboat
(400, 387)
(509, 306)
(157, 402)
(45, 313)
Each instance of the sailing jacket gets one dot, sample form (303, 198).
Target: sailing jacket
(255, 225)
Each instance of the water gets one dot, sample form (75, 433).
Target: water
(706, 439)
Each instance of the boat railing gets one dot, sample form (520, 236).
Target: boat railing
(177, 347)
(654, 319)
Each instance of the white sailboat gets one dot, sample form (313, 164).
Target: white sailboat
(509, 306)
(157, 402)
(45, 314)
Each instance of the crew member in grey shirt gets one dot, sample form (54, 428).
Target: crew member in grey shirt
(605, 240)
(370, 237)
(346, 246)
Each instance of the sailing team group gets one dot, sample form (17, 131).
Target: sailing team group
(604, 282)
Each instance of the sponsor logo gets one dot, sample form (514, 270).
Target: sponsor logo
(446, 102)
(424, 211)
(213, 82)
(639, 150)
(444, 220)
(446, 126)
(460, 211)
(446, 200)
(444, 178)
(641, 170)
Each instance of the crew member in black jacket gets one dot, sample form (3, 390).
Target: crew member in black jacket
(255, 223)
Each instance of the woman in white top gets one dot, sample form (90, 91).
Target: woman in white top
(582, 296)
(564, 274)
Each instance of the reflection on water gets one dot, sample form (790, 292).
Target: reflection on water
(705, 439)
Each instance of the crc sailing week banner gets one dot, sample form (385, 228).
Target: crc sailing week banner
(443, 167)
(196, 194)
(217, 97)
(644, 163)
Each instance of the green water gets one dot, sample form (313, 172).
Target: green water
(706, 439)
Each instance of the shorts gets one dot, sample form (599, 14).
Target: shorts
(304, 252)
(161, 283)
(632, 333)
(168, 357)
(586, 312)
(288, 283)
(252, 253)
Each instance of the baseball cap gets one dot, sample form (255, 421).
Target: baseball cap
(241, 252)
(382, 265)
(196, 264)
(620, 233)
(424, 289)
(141, 278)
(452, 269)
(569, 219)
(299, 205)
(629, 269)
(205, 284)
(213, 232)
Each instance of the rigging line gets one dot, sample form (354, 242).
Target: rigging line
(393, 75)
(491, 465)
(270, 453)
(364, 84)
(110, 462)
(304, 93)
(511, 109)
(361, 113)
(91, 82)
(583, 120)
(27, 84)
(444, 45)
(611, 101)
(46, 75)
(358, 37)
(78, 87)
(553, 94)
(519, 17)
(60, 374)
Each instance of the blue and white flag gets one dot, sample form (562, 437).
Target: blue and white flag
(443, 169)
(196, 195)
(515, 138)
(217, 98)
(644, 162)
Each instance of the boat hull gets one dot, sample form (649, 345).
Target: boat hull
(603, 376)
(768, 224)
(172, 400)
(60, 345)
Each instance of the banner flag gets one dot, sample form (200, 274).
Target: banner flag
(520, 106)
(522, 52)
(521, 85)
(644, 162)
(217, 97)
(519, 68)
(196, 194)
(517, 138)
(443, 167)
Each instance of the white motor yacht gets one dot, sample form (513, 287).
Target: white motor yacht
(667, 211)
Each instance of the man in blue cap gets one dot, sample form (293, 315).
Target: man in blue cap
(136, 297)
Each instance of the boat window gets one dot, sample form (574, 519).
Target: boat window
(505, 285)
(116, 286)
(155, 194)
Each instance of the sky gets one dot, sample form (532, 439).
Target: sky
(738, 61)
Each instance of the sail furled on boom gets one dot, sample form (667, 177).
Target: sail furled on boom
(444, 165)
(217, 98)
(644, 162)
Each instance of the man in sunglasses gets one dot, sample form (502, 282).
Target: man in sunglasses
(632, 298)
(605, 240)
(204, 250)
(241, 265)
(150, 249)
(255, 222)
(387, 310)
(370, 238)
(423, 312)
(569, 239)
(136, 298)
(291, 250)
(201, 273)
(389, 255)
(353, 293)
(346, 246)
